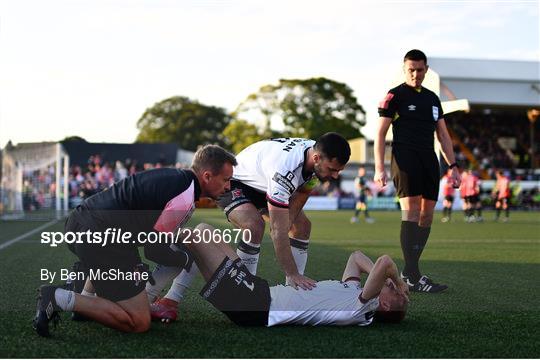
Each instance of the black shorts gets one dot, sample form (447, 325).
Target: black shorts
(361, 198)
(473, 199)
(415, 172)
(449, 198)
(241, 194)
(243, 297)
(107, 259)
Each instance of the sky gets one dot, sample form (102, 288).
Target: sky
(91, 68)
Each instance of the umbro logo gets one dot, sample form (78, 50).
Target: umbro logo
(412, 107)
(49, 310)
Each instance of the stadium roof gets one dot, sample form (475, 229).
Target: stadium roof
(490, 82)
(79, 152)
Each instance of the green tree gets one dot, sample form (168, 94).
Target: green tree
(308, 108)
(73, 138)
(183, 121)
(241, 134)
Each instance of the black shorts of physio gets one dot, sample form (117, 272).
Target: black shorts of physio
(415, 172)
(241, 194)
(97, 258)
(244, 298)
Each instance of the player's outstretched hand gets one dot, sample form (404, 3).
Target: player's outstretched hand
(301, 281)
(380, 178)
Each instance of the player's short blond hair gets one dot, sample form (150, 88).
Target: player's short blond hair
(212, 157)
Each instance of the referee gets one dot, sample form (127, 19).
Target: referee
(415, 113)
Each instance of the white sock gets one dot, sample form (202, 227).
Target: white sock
(181, 283)
(163, 275)
(65, 299)
(249, 253)
(87, 293)
(299, 249)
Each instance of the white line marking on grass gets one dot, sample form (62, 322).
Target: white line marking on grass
(25, 235)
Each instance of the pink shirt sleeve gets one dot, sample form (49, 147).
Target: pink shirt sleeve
(177, 212)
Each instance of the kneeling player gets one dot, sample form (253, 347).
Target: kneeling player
(159, 200)
(248, 300)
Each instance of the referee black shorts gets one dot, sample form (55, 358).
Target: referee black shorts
(415, 172)
(109, 259)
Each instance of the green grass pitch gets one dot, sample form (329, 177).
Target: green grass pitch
(492, 308)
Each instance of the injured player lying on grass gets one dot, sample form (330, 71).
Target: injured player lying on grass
(248, 300)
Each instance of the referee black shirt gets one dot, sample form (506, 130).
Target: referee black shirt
(415, 114)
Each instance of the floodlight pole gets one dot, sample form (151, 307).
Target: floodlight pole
(532, 115)
(532, 144)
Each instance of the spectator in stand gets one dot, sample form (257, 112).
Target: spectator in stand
(120, 172)
(132, 169)
(88, 189)
(104, 176)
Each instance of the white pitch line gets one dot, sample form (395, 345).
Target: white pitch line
(25, 235)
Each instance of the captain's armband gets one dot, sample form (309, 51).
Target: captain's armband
(311, 184)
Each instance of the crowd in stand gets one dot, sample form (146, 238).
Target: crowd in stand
(99, 175)
(39, 187)
(495, 142)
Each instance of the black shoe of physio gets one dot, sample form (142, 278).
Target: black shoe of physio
(46, 311)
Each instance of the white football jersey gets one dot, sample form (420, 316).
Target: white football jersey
(332, 302)
(274, 167)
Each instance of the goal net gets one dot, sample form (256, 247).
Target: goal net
(34, 181)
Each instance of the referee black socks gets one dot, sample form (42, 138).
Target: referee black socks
(421, 240)
(413, 240)
(406, 236)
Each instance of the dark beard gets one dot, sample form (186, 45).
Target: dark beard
(317, 170)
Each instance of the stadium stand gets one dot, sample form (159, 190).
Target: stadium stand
(497, 132)
(493, 139)
(30, 183)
